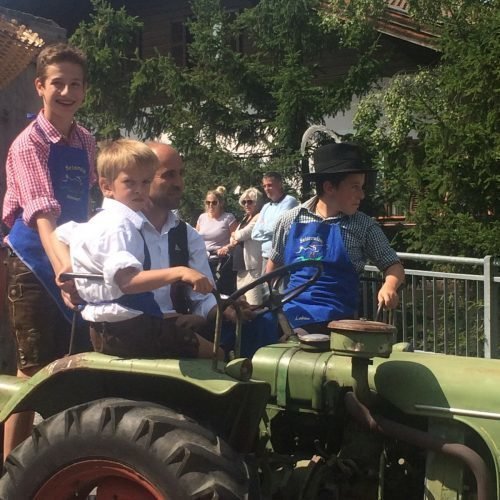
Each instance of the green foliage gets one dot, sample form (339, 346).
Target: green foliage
(435, 135)
(257, 101)
(110, 42)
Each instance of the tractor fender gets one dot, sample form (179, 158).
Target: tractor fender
(446, 390)
(230, 407)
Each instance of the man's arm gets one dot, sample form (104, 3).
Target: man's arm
(260, 231)
(394, 277)
(205, 305)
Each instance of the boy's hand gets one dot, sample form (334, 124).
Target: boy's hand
(65, 285)
(198, 281)
(68, 291)
(388, 297)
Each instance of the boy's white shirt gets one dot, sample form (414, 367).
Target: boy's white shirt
(97, 247)
(108, 242)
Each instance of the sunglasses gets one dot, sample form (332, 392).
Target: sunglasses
(247, 202)
(214, 203)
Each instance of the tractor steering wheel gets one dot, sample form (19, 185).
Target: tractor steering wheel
(276, 300)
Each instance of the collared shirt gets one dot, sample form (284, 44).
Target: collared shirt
(29, 187)
(264, 228)
(108, 242)
(157, 243)
(362, 236)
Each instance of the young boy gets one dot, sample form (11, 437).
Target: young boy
(124, 316)
(49, 169)
(330, 228)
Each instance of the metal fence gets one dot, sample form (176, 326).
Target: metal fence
(448, 304)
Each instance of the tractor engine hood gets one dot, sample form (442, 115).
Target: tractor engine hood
(416, 383)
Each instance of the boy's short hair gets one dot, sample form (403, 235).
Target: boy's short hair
(334, 179)
(59, 53)
(123, 155)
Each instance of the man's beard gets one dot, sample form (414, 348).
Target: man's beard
(170, 200)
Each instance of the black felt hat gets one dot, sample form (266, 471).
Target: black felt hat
(337, 158)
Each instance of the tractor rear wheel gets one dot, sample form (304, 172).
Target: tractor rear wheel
(127, 450)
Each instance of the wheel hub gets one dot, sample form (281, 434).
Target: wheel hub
(112, 481)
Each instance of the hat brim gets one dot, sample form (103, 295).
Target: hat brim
(314, 175)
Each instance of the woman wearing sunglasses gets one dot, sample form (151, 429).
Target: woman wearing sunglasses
(216, 226)
(247, 253)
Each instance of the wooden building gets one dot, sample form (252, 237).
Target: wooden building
(165, 28)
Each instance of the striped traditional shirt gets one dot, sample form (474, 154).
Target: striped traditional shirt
(362, 236)
(29, 186)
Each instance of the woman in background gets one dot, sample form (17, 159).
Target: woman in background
(216, 226)
(247, 253)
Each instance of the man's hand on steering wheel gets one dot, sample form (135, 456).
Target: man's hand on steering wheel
(247, 313)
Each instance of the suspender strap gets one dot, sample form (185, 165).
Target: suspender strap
(178, 245)
(147, 256)
(179, 256)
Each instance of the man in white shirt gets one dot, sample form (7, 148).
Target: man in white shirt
(272, 183)
(165, 195)
(161, 217)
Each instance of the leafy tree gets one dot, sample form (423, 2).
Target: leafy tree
(110, 41)
(257, 102)
(435, 133)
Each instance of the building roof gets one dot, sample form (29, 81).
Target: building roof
(65, 13)
(21, 38)
(399, 24)
(398, 4)
(68, 14)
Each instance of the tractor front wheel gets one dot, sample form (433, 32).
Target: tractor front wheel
(120, 450)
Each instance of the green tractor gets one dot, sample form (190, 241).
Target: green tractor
(349, 415)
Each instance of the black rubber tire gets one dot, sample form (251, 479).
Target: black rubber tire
(180, 457)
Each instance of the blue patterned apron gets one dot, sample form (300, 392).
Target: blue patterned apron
(336, 293)
(69, 171)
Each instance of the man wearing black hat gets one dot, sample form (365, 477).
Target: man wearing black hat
(330, 228)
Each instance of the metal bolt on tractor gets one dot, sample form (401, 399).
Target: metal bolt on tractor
(348, 415)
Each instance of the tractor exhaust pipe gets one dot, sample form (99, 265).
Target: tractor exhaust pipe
(422, 439)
